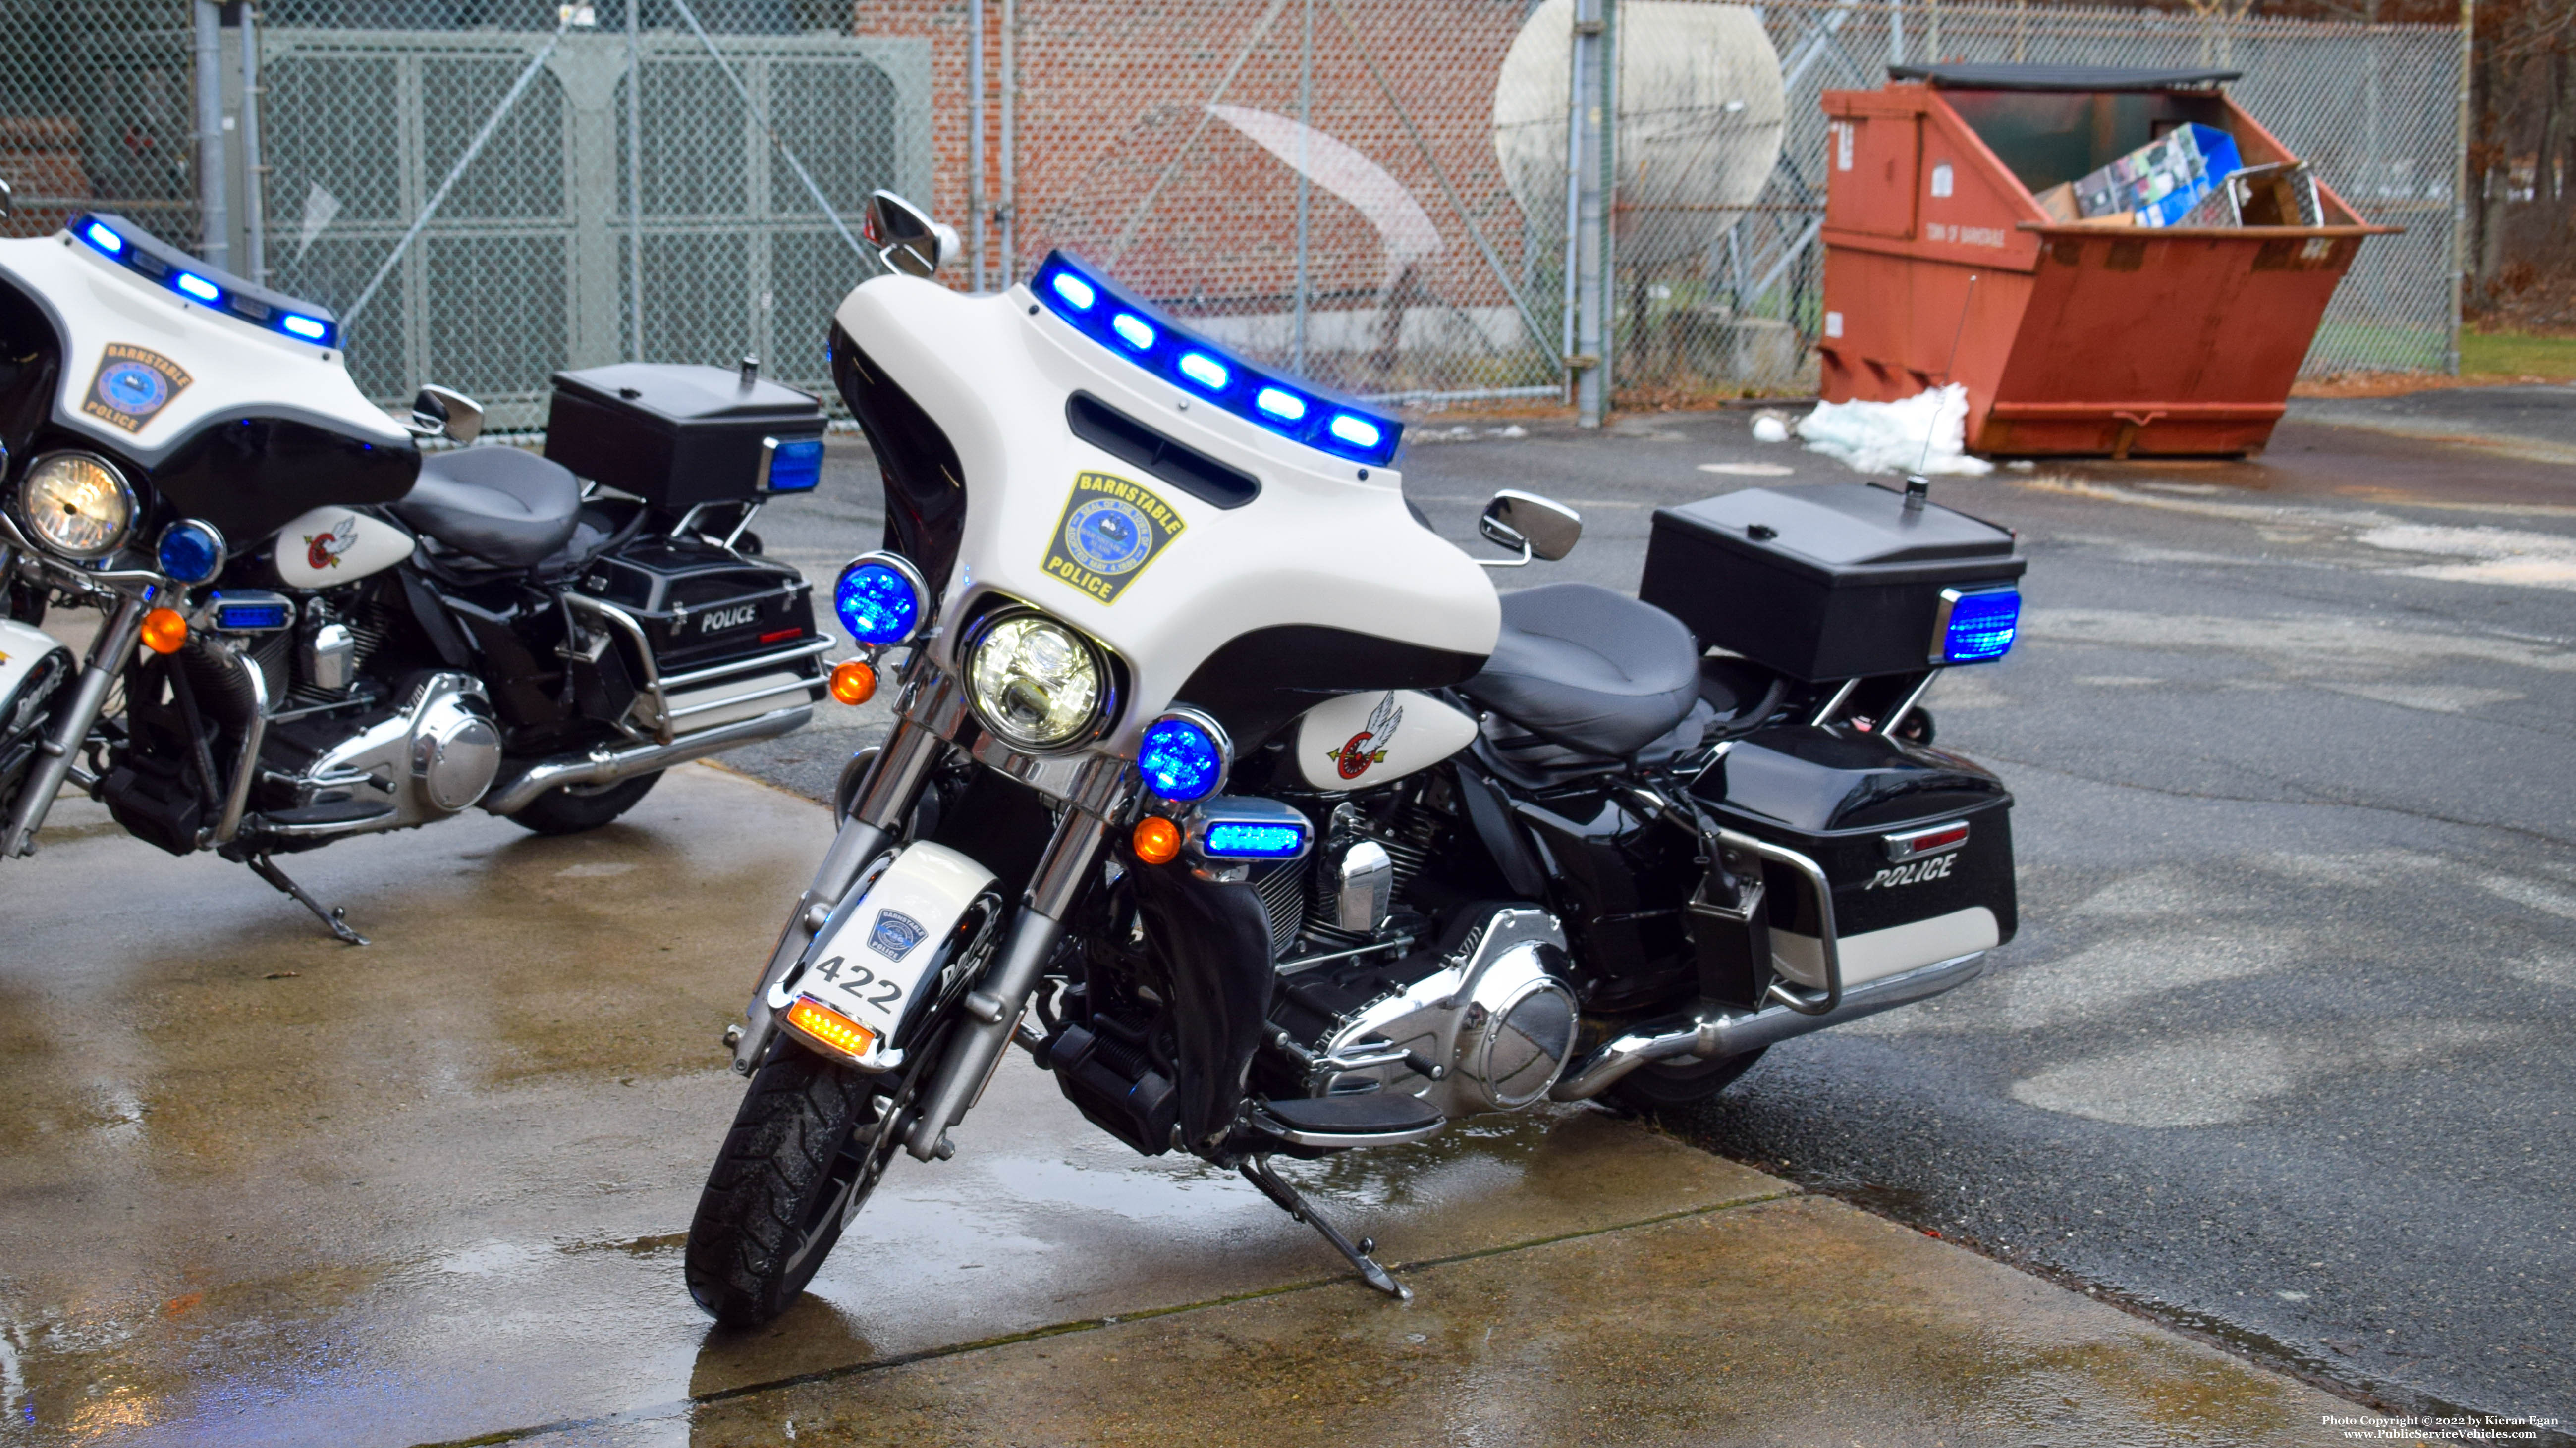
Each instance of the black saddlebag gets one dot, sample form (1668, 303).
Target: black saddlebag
(1836, 581)
(1916, 841)
(728, 636)
(677, 436)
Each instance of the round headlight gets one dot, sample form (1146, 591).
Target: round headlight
(192, 550)
(78, 505)
(1183, 755)
(1035, 682)
(879, 598)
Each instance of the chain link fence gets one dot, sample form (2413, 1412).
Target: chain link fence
(1380, 197)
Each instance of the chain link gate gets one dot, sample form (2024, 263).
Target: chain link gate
(530, 263)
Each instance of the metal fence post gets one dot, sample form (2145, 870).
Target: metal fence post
(254, 174)
(975, 143)
(214, 216)
(634, 186)
(1588, 275)
(1008, 213)
(1305, 196)
(2460, 189)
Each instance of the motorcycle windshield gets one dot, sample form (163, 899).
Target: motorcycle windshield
(232, 421)
(1226, 564)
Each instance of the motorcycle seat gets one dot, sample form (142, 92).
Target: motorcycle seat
(504, 505)
(1591, 670)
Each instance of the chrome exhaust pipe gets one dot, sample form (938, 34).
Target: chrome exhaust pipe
(1716, 1035)
(606, 765)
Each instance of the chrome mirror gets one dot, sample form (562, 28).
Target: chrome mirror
(1530, 525)
(905, 237)
(443, 412)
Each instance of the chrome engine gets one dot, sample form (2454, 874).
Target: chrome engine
(1486, 1025)
(431, 757)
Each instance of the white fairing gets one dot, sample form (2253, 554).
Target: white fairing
(873, 958)
(22, 647)
(1362, 740)
(217, 366)
(336, 545)
(1327, 543)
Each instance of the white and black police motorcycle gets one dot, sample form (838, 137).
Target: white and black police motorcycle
(309, 627)
(1240, 800)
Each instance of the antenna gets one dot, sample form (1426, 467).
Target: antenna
(1918, 487)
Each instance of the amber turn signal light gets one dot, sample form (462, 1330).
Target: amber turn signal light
(1157, 840)
(164, 630)
(828, 1027)
(854, 682)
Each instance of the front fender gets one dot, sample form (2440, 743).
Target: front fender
(890, 950)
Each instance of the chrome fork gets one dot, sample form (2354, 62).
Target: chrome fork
(933, 712)
(107, 655)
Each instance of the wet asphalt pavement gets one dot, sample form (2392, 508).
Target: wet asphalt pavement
(2281, 1052)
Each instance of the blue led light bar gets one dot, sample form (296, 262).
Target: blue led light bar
(1253, 840)
(250, 611)
(1977, 627)
(147, 256)
(1276, 404)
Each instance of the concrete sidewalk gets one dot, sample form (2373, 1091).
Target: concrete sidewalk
(263, 1188)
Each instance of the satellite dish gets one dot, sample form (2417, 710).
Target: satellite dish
(1701, 109)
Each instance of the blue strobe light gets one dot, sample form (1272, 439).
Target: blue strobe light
(1977, 627)
(880, 599)
(794, 466)
(1183, 756)
(191, 551)
(1275, 404)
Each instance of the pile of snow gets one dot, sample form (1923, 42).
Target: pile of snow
(1890, 437)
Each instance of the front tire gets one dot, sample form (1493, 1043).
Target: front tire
(802, 1146)
(1650, 1089)
(569, 809)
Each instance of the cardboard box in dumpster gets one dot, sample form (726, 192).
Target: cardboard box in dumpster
(2160, 182)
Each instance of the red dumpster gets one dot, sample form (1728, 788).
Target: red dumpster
(2077, 335)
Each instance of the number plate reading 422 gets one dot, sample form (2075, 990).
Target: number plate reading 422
(861, 986)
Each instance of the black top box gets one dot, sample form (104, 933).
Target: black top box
(1836, 581)
(673, 434)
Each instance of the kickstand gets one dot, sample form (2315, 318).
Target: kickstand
(1256, 1170)
(335, 918)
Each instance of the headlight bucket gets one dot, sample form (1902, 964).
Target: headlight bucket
(1037, 684)
(76, 505)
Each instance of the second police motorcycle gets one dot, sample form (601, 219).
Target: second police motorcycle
(1242, 802)
(309, 626)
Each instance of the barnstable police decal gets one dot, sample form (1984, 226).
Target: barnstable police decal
(132, 384)
(1111, 529)
(894, 934)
